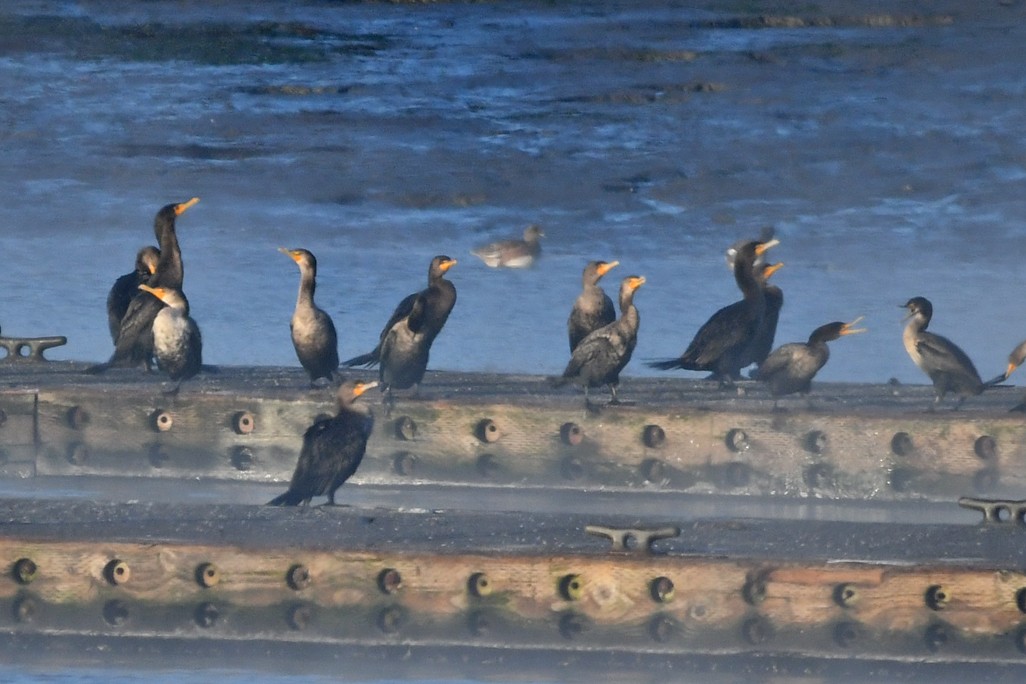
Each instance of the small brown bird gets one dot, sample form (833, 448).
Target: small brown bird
(593, 308)
(332, 450)
(313, 332)
(512, 253)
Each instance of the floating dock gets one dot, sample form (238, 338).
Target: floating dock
(634, 589)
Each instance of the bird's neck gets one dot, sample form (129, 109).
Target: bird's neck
(170, 270)
(307, 287)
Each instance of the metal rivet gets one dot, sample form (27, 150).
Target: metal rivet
(24, 609)
(847, 633)
(405, 463)
(207, 575)
(405, 428)
(389, 581)
(901, 444)
(78, 417)
(391, 619)
(78, 453)
(736, 440)
(571, 625)
(819, 475)
(117, 572)
(298, 577)
(754, 590)
(572, 468)
(985, 448)
(937, 597)
(757, 630)
(738, 474)
(571, 434)
(654, 471)
(158, 456)
(661, 589)
(206, 615)
(936, 636)
(242, 458)
(161, 420)
(479, 585)
(571, 587)
(487, 431)
(115, 612)
(815, 442)
(487, 465)
(846, 595)
(299, 616)
(653, 436)
(662, 628)
(24, 570)
(243, 423)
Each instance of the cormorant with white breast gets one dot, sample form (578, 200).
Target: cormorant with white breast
(313, 332)
(332, 450)
(177, 343)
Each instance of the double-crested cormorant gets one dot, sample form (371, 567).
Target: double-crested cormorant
(134, 345)
(126, 288)
(949, 367)
(404, 352)
(332, 450)
(593, 308)
(1015, 359)
(791, 367)
(313, 332)
(600, 356)
(720, 344)
(177, 343)
(439, 299)
(512, 253)
(761, 346)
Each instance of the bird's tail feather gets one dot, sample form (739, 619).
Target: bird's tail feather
(289, 498)
(667, 364)
(365, 360)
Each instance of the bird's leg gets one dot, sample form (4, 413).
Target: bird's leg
(613, 401)
(388, 401)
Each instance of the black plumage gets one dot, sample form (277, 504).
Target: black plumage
(762, 345)
(600, 356)
(134, 344)
(313, 332)
(126, 288)
(720, 344)
(177, 343)
(949, 368)
(405, 351)
(791, 367)
(439, 299)
(593, 308)
(332, 450)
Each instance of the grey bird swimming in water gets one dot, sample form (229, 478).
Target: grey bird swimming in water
(313, 332)
(332, 450)
(512, 253)
(949, 368)
(593, 308)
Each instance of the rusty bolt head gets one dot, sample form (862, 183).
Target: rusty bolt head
(389, 581)
(207, 575)
(78, 417)
(901, 444)
(298, 577)
(487, 431)
(479, 585)
(846, 595)
(405, 428)
(815, 442)
(243, 423)
(24, 570)
(662, 589)
(736, 440)
(985, 448)
(571, 434)
(937, 597)
(162, 420)
(653, 436)
(117, 572)
(571, 587)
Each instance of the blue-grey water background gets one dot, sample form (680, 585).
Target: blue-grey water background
(884, 146)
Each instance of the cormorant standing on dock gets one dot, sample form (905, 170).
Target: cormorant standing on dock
(134, 345)
(439, 299)
(177, 343)
(762, 345)
(791, 367)
(332, 450)
(720, 344)
(512, 253)
(593, 308)
(404, 352)
(600, 356)
(949, 368)
(313, 332)
(126, 288)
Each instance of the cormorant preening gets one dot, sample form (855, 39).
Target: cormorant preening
(761, 346)
(791, 367)
(949, 367)
(600, 356)
(593, 308)
(439, 298)
(126, 288)
(720, 344)
(332, 450)
(512, 253)
(177, 343)
(404, 352)
(134, 345)
(313, 332)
